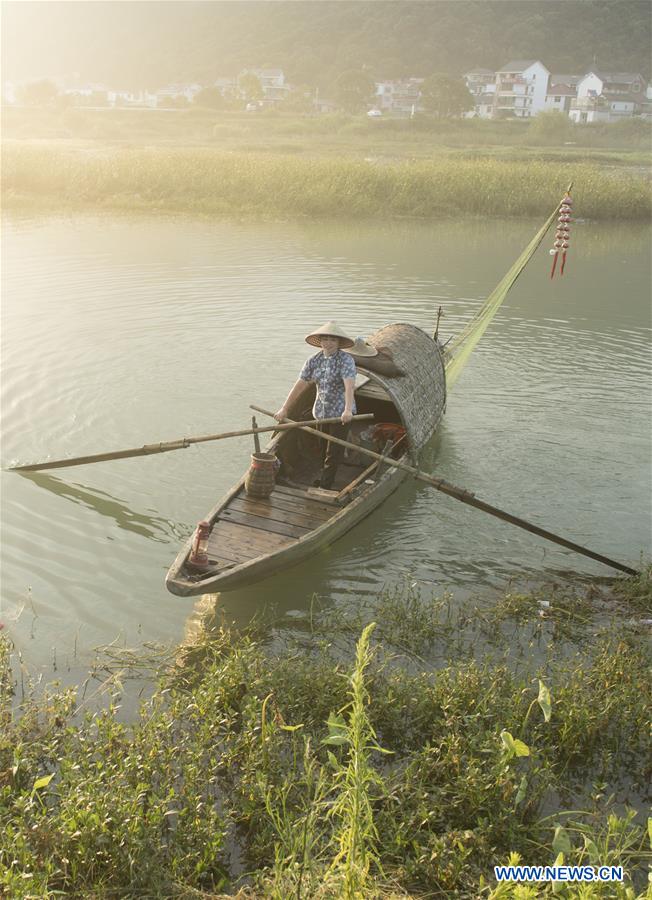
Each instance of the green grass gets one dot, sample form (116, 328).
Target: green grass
(323, 777)
(204, 181)
(629, 142)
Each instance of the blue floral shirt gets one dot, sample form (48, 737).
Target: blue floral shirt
(328, 373)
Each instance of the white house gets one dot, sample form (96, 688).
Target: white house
(176, 92)
(88, 95)
(521, 88)
(9, 97)
(272, 81)
(226, 85)
(140, 99)
(608, 97)
(400, 96)
(646, 106)
(562, 90)
(481, 84)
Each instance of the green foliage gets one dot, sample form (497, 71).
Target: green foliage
(210, 98)
(38, 93)
(637, 590)
(276, 760)
(250, 85)
(356, 781)
(445, 96)
(550, 127)
(353, 90)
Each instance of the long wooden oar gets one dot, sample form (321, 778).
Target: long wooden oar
(148, 449)
(469, 497)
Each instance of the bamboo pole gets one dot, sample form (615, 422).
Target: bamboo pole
(181, 444)
(469, 498)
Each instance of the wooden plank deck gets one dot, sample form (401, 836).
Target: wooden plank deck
(277, 513)
(249, 527)
(233, 541)
(261, 523)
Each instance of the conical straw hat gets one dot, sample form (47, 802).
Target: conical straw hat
(330, 328)
(361, 348)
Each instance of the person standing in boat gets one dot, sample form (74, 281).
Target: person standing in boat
(333, 372)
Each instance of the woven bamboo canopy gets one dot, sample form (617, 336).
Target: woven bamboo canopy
(420, 394)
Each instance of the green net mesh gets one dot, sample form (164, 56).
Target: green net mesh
(461, 347)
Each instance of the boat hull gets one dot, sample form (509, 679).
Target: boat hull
(294, 554)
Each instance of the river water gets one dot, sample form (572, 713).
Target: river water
(119, 331)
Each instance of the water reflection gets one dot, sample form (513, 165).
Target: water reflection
(152, 527)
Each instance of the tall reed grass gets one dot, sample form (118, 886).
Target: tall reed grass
(208, 182)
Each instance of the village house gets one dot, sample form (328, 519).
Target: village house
(9, 97)
(88, 95)
(226, 85)
(608, 97)
(562, 90)
(646, 105)
(167, 96)
(401, 96)
(272, 81)
(481, 84)
(137, 99)
(521, 88)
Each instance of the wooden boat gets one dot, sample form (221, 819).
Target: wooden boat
(253, 538)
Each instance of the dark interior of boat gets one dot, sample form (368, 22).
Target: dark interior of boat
(249, 527)
(300, 453)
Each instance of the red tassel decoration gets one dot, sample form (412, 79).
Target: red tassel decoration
(562, 237)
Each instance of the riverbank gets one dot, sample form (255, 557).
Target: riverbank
(626, 143)
(405, 758)
(211, 182)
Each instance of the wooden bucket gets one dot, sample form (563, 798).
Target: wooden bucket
(259, 481)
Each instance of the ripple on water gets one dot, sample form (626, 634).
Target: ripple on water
(119, 332)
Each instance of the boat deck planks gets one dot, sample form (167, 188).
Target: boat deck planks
(290, 515)
(298, 500)
(249, 527)
(261, 523)
(229, 538)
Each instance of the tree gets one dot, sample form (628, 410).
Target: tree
(251, 87)
(550, 127)
(38, 93)
(445, 96)
(180, 101)
(353, 89)
(300, 101)
(210, 98)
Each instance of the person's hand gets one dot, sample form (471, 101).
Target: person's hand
(281, 414)
(347, 415)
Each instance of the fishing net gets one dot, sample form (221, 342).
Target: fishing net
(461, 347)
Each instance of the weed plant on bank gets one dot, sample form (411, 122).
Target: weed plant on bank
(206, 181)
(338, 767)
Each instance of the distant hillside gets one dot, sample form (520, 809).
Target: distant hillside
(148, 44)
